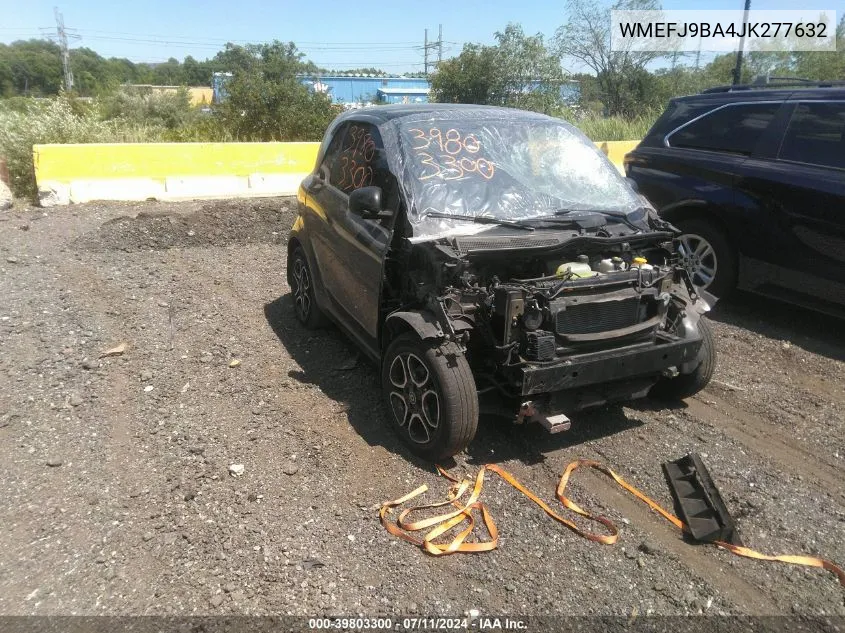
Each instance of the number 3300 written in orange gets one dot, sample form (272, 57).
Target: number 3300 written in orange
(449, 164)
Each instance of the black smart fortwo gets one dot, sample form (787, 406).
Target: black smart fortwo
(490, 255)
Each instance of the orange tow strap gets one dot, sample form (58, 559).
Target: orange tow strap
(463, 513)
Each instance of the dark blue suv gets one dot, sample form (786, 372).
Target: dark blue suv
(754, 177)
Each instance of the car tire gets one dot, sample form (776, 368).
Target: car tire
(707, 253)
(431, 396)
(686, 385)
(305, 307)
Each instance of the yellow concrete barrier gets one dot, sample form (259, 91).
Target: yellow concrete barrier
(169, 171)
(183, 171)
(616, 150)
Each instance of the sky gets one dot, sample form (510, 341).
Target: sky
(335, 34)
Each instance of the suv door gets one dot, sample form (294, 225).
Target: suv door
(699, 160)
(803, 190)
(348, 248)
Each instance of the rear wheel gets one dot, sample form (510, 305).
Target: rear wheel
(707, 254)
(302, 288)
(686, 385)
(431, 396)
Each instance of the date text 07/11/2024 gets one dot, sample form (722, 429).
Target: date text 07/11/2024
(478, 623)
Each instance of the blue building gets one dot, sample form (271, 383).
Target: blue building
(355, 91)
(218, 85)
(362, 90)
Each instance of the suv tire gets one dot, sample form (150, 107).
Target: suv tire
(708, 255)
(305, 307)
(686, 385)
(431, 396)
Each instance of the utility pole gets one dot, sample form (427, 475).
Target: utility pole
(737, 73)
(61, 37)
(425, 48)
(438, 45)
(698, 54)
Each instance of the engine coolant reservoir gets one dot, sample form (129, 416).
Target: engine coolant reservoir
(641, 263)
(576, 269)
(611, 265)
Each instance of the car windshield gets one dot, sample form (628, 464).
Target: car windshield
(516, 168)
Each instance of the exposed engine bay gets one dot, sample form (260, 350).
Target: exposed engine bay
(521, 310)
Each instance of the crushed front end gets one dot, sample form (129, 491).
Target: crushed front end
(552, 325)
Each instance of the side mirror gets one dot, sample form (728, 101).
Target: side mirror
(633, 184)
(366, 202)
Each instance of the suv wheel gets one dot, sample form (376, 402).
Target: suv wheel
(302, 288)
(431, 395)
(686, 385)
(707, 255)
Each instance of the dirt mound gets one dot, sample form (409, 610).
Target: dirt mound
(203, 224)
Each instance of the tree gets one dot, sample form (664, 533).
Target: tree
(195, 73)
(532, 75)
(586, 38)
(471, 77)
(822, 65)
(168, 73)
(266, 100)
(807, 64)
(34, 67)
(519, 71)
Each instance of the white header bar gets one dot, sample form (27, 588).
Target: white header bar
(722, 31)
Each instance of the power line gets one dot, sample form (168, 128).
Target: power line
(187, 44)
(227, 39)
(310, 47)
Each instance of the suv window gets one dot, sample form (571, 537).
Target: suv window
(816, 135)
(733, 128)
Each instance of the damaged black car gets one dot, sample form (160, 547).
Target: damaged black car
(489, 258)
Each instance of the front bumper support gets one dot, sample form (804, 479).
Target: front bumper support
(640, 360)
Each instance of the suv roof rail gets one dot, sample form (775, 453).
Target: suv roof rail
(764, 81)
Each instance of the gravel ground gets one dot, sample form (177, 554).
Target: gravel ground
(117, 497)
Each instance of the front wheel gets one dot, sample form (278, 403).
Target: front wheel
(431, 396)
(686, 385)
(707, 254)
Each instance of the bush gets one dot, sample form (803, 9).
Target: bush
(205, 128)
(57, 120)
(260, 109)
(170, 110)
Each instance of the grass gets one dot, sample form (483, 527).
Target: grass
(26, 122)
(616, 128)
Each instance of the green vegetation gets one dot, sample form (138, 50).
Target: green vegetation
(55, 121)
(519, 72)
(265, 102)
(615, 128)
(113, 99)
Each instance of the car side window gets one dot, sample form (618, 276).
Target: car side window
(331, 164)
(816, 135)
(362, 160)
(733, 129)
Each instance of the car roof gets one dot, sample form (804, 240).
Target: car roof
(439, 110)
(763, 94)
